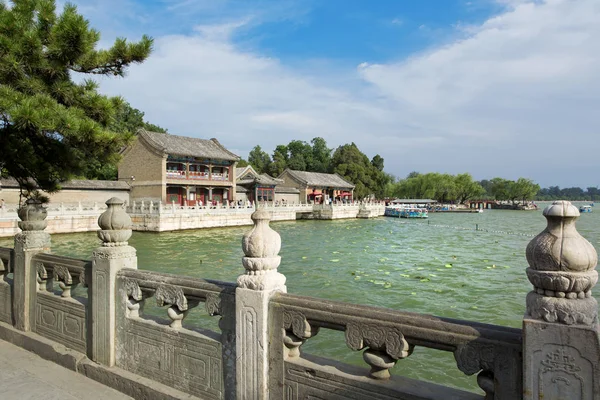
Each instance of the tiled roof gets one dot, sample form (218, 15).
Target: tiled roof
(76, 184)
(413, 201)
(247, 175)
(319, 179)
(187, 146)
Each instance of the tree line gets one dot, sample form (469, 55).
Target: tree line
(445, 188)
(347, 161)
(570, 193)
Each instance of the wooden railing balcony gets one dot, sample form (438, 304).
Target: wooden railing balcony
(175, 174)
(197, 175)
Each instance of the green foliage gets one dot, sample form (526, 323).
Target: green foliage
(570, 193)
(348, 161)
(352, 164)
(51, 127)
(523, 189)
(259, 160)
(467, 188)
(242, 163)
(128, 120)
(440, 187)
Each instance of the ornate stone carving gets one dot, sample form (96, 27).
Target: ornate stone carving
(377, 337)
(261, 246)
(133, 289)
(473, 357)
(213, 304)
(174, 297)
(386, 346)
(64, 278)
(42, 277)
(32, 216)
(171, 295)
(299, 325)
(296, 330)
(115, 255)
(32, 240)
(561, 269)
(115, 224)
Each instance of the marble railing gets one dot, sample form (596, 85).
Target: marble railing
(256, 352)
(202, 361)
(58, 209)
(387, 336)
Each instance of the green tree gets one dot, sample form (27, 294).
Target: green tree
(129, 120)
(377, 162)
(301, 157)
(50, 126)
(466, 188)
(523, 189)
(242, 163)
(259, 160)
(321, 155)
(499, 188)
(280, 159)
(354, 165)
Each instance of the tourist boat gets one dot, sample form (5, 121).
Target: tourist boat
(585, 209)
(413, 213)
(406, 212)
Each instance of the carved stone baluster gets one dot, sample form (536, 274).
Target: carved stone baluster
(386, 345)
(65, 280)
(561, 345)
(114, 255)
(260, 282)
(173, 296)
(296, 331)
(44, 284)
(31, 241)
(135, 298)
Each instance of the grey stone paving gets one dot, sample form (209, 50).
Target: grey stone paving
(24, 375)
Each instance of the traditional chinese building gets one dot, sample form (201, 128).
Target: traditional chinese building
(178, 169)
(257, 187)
(317, 187)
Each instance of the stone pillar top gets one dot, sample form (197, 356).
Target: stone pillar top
(32, 216)
(562, 270)
(115, 224)
(261, 248)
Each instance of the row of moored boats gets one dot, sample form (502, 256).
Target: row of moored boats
(403, 211)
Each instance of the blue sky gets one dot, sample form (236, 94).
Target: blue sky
(492, 87)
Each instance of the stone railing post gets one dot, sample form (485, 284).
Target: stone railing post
(261, 281)
(31, 241)
(114, 255)
(561, 346)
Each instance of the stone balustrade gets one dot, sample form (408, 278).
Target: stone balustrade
(98, 310)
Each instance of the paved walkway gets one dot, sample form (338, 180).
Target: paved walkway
(24, 375)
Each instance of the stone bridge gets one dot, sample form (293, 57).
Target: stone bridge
(256, 352)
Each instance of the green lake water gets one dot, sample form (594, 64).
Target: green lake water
(440, 266)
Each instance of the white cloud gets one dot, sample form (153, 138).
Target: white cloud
(516, 96)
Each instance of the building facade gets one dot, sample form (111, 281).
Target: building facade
(317, 187)
(252, 186)
(178, 169)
